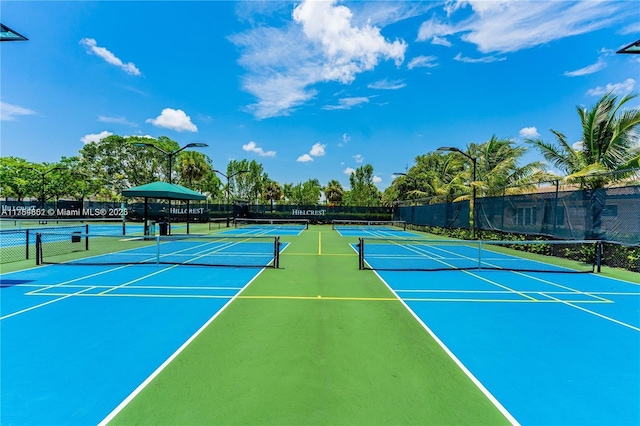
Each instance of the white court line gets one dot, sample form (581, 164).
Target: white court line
(593, 313)
(455, 359)
(158, 370)
(44, 304)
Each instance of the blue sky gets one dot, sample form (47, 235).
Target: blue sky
(309, 89)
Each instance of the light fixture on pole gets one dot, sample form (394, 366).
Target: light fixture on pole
(43, 174)
(473, 189)
(170, 155)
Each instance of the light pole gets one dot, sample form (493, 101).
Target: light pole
(43, 174)
(170, 155)
(473, 189)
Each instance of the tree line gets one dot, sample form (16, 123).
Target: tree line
(101, 170)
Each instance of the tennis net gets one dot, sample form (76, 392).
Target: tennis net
(271, 223)
(395, 254)
(199, 250)
(395, 225)
(19, 243)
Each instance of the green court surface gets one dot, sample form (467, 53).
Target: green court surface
(316, 342)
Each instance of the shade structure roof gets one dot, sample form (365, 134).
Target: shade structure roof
(163, 190)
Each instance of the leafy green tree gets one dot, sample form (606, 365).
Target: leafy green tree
(363, 192)
(306, 193)
(610, 143)
(15, 181)
(247, 180)
(192, 167)
(212, 186)
(334, 192)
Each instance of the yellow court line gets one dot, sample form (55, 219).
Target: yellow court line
(325, 254)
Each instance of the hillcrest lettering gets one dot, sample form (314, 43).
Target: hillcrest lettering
(300, 212)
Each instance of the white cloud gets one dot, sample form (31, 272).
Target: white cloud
(92, 47)
(590, 69)
(321, 44)
(387, 85)
(345, 139)
(116, 120)
(349, 170)
(510, 26)
(617, 88)
(529, 132)
(304, 158)
(347, 103)
(253, 147)
(423, 62)
(317, 150)
(359, 158)
(483, 60)
(95, 137)
(9, 112)
(440, 41)
(174, 119)
(376, 179)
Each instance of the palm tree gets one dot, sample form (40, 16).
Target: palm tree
(333, 192)
(610, 143)
(272, 191)
(498, 168)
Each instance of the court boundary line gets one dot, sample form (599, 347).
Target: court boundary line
(455, 359)
(30, 308)
(594, 313)
(173, 356)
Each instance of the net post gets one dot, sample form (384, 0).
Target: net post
(599, 247)
(276, 254)
(479, 254)
(360, 253)
(86, 237)
(38, 249)
(157, 249)
(27, 238)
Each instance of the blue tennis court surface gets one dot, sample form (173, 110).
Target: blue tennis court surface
(77, 340)
(374, 231)
(551, 348)
(264, 230)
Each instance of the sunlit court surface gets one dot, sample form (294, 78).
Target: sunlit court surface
(84, 344)
(328, 213)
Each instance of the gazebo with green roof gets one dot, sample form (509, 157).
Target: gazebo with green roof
(163, 191)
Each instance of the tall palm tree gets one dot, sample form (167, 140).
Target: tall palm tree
(498, 168)
(610, 143)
